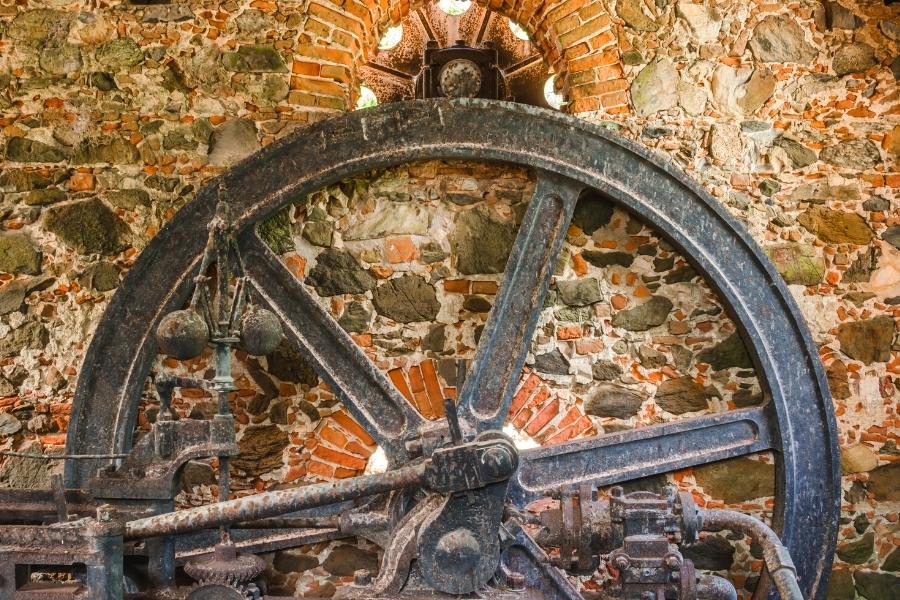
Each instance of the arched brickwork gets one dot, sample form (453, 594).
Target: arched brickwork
(576, 37)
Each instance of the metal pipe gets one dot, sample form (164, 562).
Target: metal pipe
(711, 587)
(778, 560)
(271, 504)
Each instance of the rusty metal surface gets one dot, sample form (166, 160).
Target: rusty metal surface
(798, 421)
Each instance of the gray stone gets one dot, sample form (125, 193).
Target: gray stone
(160, 182)
(574, 314)
(277, 232)
(651, 358)
(44, 197)
(261, 450)
(838, 17)
(431, 252)
(605, 370)
(61, 60)
(691, 98)
(892, 236)
(799, 264)
(607, 259)
(651, 313)
(286, 364)
(835, 226)
(345, 560)
(736, 480)
(705, 22)
(477, 304)
(632, 13)
(20, 180)
(318, 233)
(610, 400)
(858, 551)
(892, 562)
(710, 553)
(861, 269)
(128, 199)
(822, 191)
(655, 88)
(592, 212)
(852, 155)
(728, 353)
(355, 318)
(40, 27)
(120, 53)
(800, 155)
(12, 295)
(88, 226)
(105, 82)
(196, 473)
(877, 586)
(28, 473)
(435, 339)
(481, 243)
(255, 58)
(553, 363)
(867, 341)
(31, 335)
(853, 58)
(877, 204)
(682, 395)
(111, 150)
(337, 272)
(9, 425)
(253, 21)
(393, 218)
(726, 143)
(780, 39)
(19, 149)
(890, 29)
(100, 277)
(406, 299)
(579, 292)
(769, 187)
(18, 254)
(232, 141)
(884, 482)
(294, 561)
(895, 67)
(632, 58)
(838, 382)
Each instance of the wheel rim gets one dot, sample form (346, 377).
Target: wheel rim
(798, 422)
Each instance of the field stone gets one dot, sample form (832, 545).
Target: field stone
(20, 149)
(704, 21)
(681, 395)
(711, 553)
(406, 299)
(120, 53)
(338, 272)
(852, 155)
(88, 226)
(112, 150)
(798, 264)
(553, 363)
(857, 459)
(355, 318)
(800, 155)
(61, 60)
(631, 12)
(835, 226)
(261, 449)
(757, 91)
(877, 586)
(736, 480)
(655, 88)
(101, 277)
(31, 335)
(254, 58)
(592, 212)
(129, 199)
(40, 27)
(892, 562)
(232, 141)
(608, 259)
(12, 295)
(651, 313)
(345, 560)
(728, 353)
(481, 243)
(579, 292)
(853, 58)
(611, 400)
(884, 482)
(18, 254)
(839, 17)
(28, 473)
(44, 197)
(393, 218)
(294, 561)
(605, 370)
(858, 551)
(867, 341)
(253, 20)
(9, 425)
(780, 39)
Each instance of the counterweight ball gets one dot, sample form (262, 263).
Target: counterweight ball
(182, 334)
(260, 332)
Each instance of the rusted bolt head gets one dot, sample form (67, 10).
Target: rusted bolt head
(362, 577)
(497, 461)
(616, 491)
(182, 334)
(260, 332)
(621, 562)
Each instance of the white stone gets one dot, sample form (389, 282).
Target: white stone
(726, 143)
(691, 98)
(391, 218)
(726, 85)
(704, 21)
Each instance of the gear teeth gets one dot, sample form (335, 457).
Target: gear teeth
(227, 566)
(214, 590)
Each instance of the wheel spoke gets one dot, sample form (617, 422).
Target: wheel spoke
(616, 457)
(488, 390)
(366, 393)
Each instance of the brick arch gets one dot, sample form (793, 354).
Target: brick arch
(576, 37)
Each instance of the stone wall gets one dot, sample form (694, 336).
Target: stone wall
(115, 113)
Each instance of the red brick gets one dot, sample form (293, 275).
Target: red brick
(456, 286)
(347, 423)
(396, 377)
(524, 393)
(433, 388)
(543, 417)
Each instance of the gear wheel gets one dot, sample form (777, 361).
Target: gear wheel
(226, 566)
(218, 591)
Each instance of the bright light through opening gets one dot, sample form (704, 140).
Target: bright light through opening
(517, 30)
(367, 98)
(520, 440)
(391, 37)
(377, 462)
(553, 99)
(454, 8)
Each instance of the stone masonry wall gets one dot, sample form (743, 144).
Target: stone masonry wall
(113, 114)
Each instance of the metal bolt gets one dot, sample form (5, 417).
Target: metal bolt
(647, 572)
(362, 577)
(621, 562)
(673, 562)
(497, 461)
(515, 581)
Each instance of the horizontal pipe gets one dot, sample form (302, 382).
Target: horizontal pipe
(710, 587)
(271, 504)
(778, 560)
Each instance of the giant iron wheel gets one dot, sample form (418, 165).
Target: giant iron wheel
(568, 155)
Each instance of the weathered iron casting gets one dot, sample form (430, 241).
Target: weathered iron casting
(450, 511)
